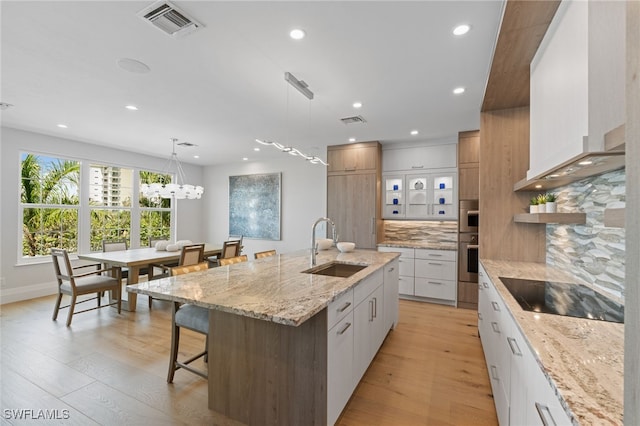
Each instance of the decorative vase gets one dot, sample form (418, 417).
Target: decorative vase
(533, 208)
(551, 207)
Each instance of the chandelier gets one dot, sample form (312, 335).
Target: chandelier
(293, 151)
(178, 190)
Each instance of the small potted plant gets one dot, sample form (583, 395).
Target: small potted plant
(542, 200)
(533, 205)
(551, 204)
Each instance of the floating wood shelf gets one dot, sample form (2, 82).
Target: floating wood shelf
(614, 218)
(563, 218)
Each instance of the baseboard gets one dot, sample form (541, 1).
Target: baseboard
(17, 294)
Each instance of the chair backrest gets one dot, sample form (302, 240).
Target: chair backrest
(114, 245)
(62, 265)
(266, 253)
(191, 254)
(230, 249)
(154, 240)
(232, 260)
(180, 270)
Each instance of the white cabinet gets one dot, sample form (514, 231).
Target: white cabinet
(368, 317)
(419, 157)
(391, 280)
(421, 195)
(340, 382)
(406, 268)
(521, 391)
(435, 274)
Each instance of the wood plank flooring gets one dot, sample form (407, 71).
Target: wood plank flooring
(111, 369)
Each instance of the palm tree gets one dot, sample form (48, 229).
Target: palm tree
(57, 184)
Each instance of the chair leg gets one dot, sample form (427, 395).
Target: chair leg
(119, 298)
(57, 307)
(206, 350)
(99, 297)
(150, 301)
(175, 340)
(72, 306)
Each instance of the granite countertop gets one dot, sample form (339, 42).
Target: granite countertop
(583, 358)
(271, 289)
(438, 245)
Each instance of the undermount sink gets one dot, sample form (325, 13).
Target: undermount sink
(336, 269)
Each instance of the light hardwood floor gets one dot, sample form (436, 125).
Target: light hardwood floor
(111, 369)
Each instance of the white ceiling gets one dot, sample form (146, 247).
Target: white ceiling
(223, 86)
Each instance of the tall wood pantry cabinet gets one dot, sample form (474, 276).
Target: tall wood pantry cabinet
(353, 192)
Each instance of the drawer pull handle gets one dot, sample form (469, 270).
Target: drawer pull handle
(513, 342)
(392, 269)
(547, 419)
(495, 327)
(344, 307)
(496, 307)
(375, 307)
(434, 263)
(434, 282)
(494, 373)
(434, 255)
(480, 316)
(345, 328)
(417, 167)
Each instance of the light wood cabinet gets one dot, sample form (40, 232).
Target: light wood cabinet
(357, 157)
(469, 165)
(468, 148)
(353, 196)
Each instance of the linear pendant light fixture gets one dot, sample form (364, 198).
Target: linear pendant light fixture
(303, 88)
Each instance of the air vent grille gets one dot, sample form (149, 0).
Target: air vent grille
(353, 120)
(169, 19)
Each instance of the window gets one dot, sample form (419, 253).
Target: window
(49, 204)
(110, 200)
(155, 212)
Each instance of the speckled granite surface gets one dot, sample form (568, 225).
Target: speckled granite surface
(436, 245)
(271, 289)
(583, 359)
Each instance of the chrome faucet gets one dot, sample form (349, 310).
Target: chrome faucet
(314, 245)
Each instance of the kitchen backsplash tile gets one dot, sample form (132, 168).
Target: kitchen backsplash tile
(592, 251)
(417, 231)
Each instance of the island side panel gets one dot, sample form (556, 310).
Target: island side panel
(265, 373)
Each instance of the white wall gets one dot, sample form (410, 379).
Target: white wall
(28, 281)
(304, 199)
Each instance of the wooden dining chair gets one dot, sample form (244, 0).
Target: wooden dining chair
(191, 254)
(191, 317)
(76, 284)
(230, 248)
(262, 254)
(231, 260)
(117, 245)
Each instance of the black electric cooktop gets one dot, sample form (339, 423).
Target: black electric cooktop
(573, 300)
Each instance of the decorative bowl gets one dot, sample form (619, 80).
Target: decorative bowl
(345, 247)
(324, 243)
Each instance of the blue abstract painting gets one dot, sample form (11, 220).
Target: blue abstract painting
(254, 206)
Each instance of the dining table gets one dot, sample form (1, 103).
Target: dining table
(137, 259)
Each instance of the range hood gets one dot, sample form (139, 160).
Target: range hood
(581, 166)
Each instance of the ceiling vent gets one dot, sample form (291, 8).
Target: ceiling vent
(169, 19)
(353, 120)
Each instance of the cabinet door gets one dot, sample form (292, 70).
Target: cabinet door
(391, 285)
(352, 158)
(340, 383)
(393, 197)
(362, 319)
(419, 158)
(351, 204)
(469, 148)
(469, 186)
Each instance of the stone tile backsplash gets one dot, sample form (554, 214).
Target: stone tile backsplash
(421, 230)
(592, 252)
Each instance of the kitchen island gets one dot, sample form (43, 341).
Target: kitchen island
(273, 329)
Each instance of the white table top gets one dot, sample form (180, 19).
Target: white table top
(142, 256)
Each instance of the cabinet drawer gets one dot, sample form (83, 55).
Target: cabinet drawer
(437, 269)
(437, 289)
(407, 267)
(449, 255)
(405, 285)
(339, 308)
(367, 286)
(405, 253)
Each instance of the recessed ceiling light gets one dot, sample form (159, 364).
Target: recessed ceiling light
(196, 156)
(132, 107)
(244, 158)
(134, 66)
(62, 126)
(461, 29)
(458, 90)
(414, 132)
(357, 104)
(297, 34)
(352, 139)
(256, 149)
